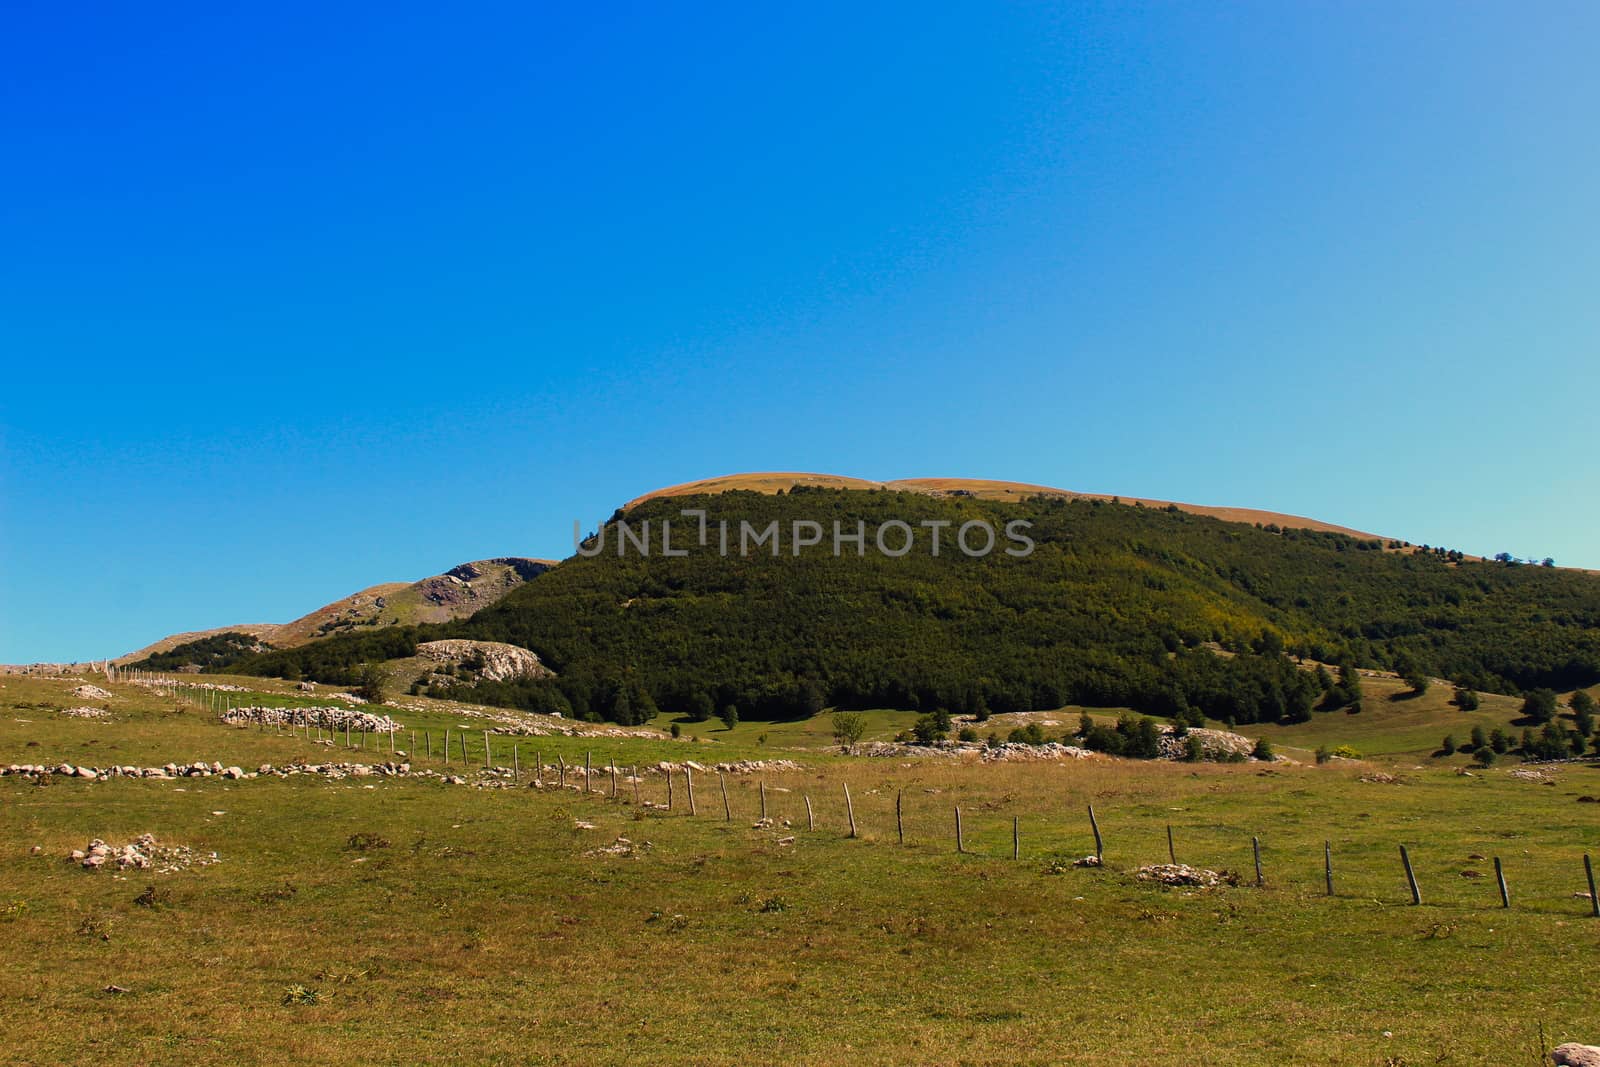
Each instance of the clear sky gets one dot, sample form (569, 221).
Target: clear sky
(297, 300)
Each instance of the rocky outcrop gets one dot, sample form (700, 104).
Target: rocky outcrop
(91, 692)
(492, 660)
(1576, 1055)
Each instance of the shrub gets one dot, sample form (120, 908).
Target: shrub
(1194, 750)
(373, 684)
(1539, 705)
(677, 731)
(1499, 741)
(1484, 756)
(1346, 752)
(1479, 738)
(967, 734)
(1448, 747)
(730, 717)
(1263, 749)
(848, 728)
(926, 729)
(1466, 699)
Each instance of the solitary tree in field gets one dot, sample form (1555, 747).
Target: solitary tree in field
(730, 716)
(848, 728)
(1540, 705)
(1583, 712)
(372, 685)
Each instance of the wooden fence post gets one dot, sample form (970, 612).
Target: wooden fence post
(464, 760)
(1327, 865)
(1255, 846)
(727, 812)
(1594, 899)
(516, 763)
(763, 798)
(669, 788)
(1099, 846)
(1411, 878)
(1016, 840)
(688, 786)
(811, 822)
(561, 779)
(960, 847)
(613, 777)
(850, 809)
(1500, 876)
(899, 821)
(1172, 852)
(447, 746)
(635, 776)
(486, 751)
(538, 767)
(588, 764)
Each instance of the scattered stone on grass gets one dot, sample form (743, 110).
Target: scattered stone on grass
(91, 692)
(143, 853)
(1183, 874)
(86, 713)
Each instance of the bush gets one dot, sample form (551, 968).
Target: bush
(848, 728)
(1194, 750)
(1479, 738)
(926, 729)
(730, 717)
(1448, 747)
(1539, 705)
(677, 731)
(1263, 749)
(1323, 754)
(1499, 741)
(967, 734)
(1466, 699)
(1484, 756)
(373, 684)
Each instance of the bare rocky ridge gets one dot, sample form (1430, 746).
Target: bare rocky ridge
(462, 590)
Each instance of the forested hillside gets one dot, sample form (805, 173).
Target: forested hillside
(1113, 607)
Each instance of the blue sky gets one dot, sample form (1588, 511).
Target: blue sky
(294, 302)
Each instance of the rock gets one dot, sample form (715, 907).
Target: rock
(1573, 1054)
(91, 692)
(234, 773)
(1183, 874)
(500, 662)
(88, 772)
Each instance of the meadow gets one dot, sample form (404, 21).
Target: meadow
(403, 920)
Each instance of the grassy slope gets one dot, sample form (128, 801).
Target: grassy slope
(982, 488)
(485, 934)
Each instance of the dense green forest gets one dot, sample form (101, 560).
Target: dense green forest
(211, 653)
(1117, 605)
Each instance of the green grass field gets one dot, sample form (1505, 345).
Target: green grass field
(487, 928)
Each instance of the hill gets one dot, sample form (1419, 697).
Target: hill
(458, 592)
(981, 489)
(1118, 605)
